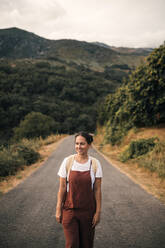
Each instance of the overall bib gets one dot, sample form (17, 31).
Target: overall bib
(78, 211)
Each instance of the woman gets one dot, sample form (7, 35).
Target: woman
(79, 197)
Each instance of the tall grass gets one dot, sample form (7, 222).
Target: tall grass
(154, 160)
(139, 146)
(24, 152)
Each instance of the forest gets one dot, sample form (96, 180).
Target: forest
(70, 98)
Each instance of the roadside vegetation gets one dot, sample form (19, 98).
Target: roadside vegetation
(147, 169)
(131, 122)
(21, 154)
(144, 147)
(139, 102)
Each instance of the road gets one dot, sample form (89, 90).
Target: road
(131, 218)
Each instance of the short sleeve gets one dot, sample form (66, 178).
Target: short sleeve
(99, 172)
(62, 169)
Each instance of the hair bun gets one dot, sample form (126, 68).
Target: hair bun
(91, 137)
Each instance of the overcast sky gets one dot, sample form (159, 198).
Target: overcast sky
(131, 23)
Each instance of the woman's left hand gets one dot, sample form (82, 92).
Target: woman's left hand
(96, 219)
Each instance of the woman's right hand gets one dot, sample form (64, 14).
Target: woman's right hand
(59, 215)
(60, 199)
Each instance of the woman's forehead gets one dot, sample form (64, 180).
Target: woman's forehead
(80, 138)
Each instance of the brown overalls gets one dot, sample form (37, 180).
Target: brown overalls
(78, 211)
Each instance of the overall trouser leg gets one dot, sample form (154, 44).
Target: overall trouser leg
(78, 229)
(71, 229)
(86, 231)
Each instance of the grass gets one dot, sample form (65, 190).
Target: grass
(139, 170)
(45, 147)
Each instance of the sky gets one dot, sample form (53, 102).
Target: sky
(127, 23)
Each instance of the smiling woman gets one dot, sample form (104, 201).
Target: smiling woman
(79, 197)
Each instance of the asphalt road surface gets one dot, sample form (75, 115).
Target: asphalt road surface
(131, 218)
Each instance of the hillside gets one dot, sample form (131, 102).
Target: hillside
(132, 125)
(139, 102)
(127, 50)
(18, 44)
(147, 170)
(70, 97)
(65, 80)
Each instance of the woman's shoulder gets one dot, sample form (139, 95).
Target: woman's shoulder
(95, 159)
(97, 167)
(68, 159)
(69, 156)
(64, 166)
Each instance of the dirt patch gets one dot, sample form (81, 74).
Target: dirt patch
(12, 181)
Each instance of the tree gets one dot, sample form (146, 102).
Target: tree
(35, 124)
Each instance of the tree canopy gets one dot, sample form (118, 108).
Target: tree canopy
(139, 102)
(69, 96)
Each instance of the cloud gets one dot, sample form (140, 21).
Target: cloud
(116, 22)
(30, 14)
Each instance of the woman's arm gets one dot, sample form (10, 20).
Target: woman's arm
(97, 194)
(60, 199)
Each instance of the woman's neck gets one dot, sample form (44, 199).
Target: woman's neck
(81, 158)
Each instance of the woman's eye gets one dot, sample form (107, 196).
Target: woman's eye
(81, 144)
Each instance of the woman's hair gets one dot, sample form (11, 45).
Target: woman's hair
(87, 136)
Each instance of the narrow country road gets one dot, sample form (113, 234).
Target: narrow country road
(131, 218)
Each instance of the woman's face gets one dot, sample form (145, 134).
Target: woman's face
(81, 145)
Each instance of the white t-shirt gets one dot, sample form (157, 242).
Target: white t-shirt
(81, 167)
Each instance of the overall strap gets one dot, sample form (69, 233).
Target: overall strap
(90, 164)
(69, 164)
(94, 165)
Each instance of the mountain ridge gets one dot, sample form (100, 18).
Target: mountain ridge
(17, 43)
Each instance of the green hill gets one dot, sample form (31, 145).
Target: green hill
(140, 102)
(16, 43)
(62, 79)
(70, 97)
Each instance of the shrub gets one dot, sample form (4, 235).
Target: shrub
(137, 148)
(34, 125)
(9, 162)
(14, 157)
(34, 144)
(27, 154)
(155, 160)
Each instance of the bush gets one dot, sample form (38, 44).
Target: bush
(27, 154)
(34, 125)
(155, 160)
(14, 157)
(137, 148)
(9, 162)
(34, 144)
